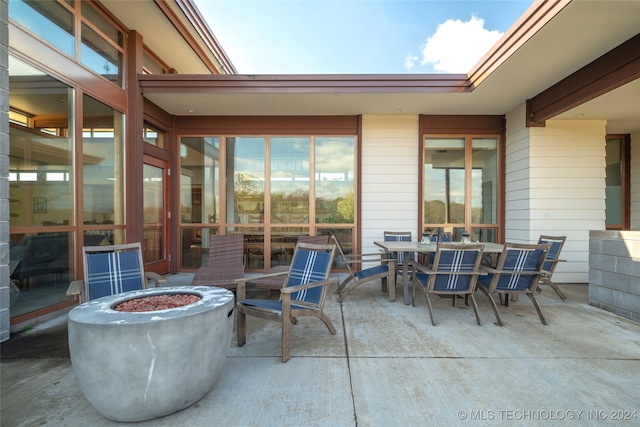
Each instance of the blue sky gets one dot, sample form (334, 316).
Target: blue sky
(358, 36)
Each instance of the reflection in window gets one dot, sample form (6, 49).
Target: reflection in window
(484, 181)
(199, 180)
(245, 180)
(153, 213)
(39, 264)
(103, 161)
(444, 181)
(101, 50)
(335, 180)
(290, 180)
(40, 161)
(100, 56)
(614, 204)
(100, 22)
(447, 201)
(49, 20)
(152, 136)
(199, 196)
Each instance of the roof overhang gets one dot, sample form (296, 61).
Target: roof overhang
(552, 41)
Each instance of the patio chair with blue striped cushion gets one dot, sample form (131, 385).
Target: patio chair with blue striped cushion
(378, 267)
(518, 271)
(110, 270)
(275, 282)
(399, 236)
(454, 273)
(553, 258)
(304, 294)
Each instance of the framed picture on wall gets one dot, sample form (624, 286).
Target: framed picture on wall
(39, 205)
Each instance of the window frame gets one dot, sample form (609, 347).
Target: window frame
(469, 128)
(625, 172)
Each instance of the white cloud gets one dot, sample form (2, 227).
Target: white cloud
(410, 61)
(457, 46)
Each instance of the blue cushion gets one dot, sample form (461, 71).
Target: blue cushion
(516, 260)
(380, 269)
(552, 255)
(112, 273)
(271, 304)
(452, 261)
(308, 267)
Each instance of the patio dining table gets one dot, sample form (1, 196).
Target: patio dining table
(406, 247)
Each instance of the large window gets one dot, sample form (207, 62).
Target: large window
(103, 169)
(290, 180)
(460, 186)
(41, 190)
(276, 188)
(335, 180)
(49, 20)
(617, 182)
(199, 197)
(101, 42)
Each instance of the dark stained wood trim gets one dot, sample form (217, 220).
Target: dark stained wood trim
(626, 181)
(538, 15)
(162, 120)
(610, 71)
(157, 58)
(186, 35)
(267, 125)
(134, 146)
(421, 126)
(43, 311)
(200, 24)
(296, 83)
(467, 126)
(156, 115)
(357, 239)
(461, 124)
(26, 47)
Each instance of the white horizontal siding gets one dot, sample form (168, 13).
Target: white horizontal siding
(389, 177)
(555, 185)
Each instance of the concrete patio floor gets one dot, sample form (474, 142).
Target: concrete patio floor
(386, 366)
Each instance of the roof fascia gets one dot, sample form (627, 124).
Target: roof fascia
(186, 35)
(615, 68)
(533, 20)
(293, 83)
(193, 14)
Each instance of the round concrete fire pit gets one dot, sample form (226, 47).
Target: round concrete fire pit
(135, 366)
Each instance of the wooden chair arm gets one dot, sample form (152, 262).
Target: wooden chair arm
(261, 276)
(241, 288)
(491, 270)
(376, 255)
(75, 288)
(154, 277)
(362, 261)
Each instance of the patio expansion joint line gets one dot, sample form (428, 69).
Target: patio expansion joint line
(346, 349)
(631, 359)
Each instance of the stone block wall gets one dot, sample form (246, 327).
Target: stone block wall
(614, 272)
(4, 171)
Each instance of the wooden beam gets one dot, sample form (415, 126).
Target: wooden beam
(612, 70)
